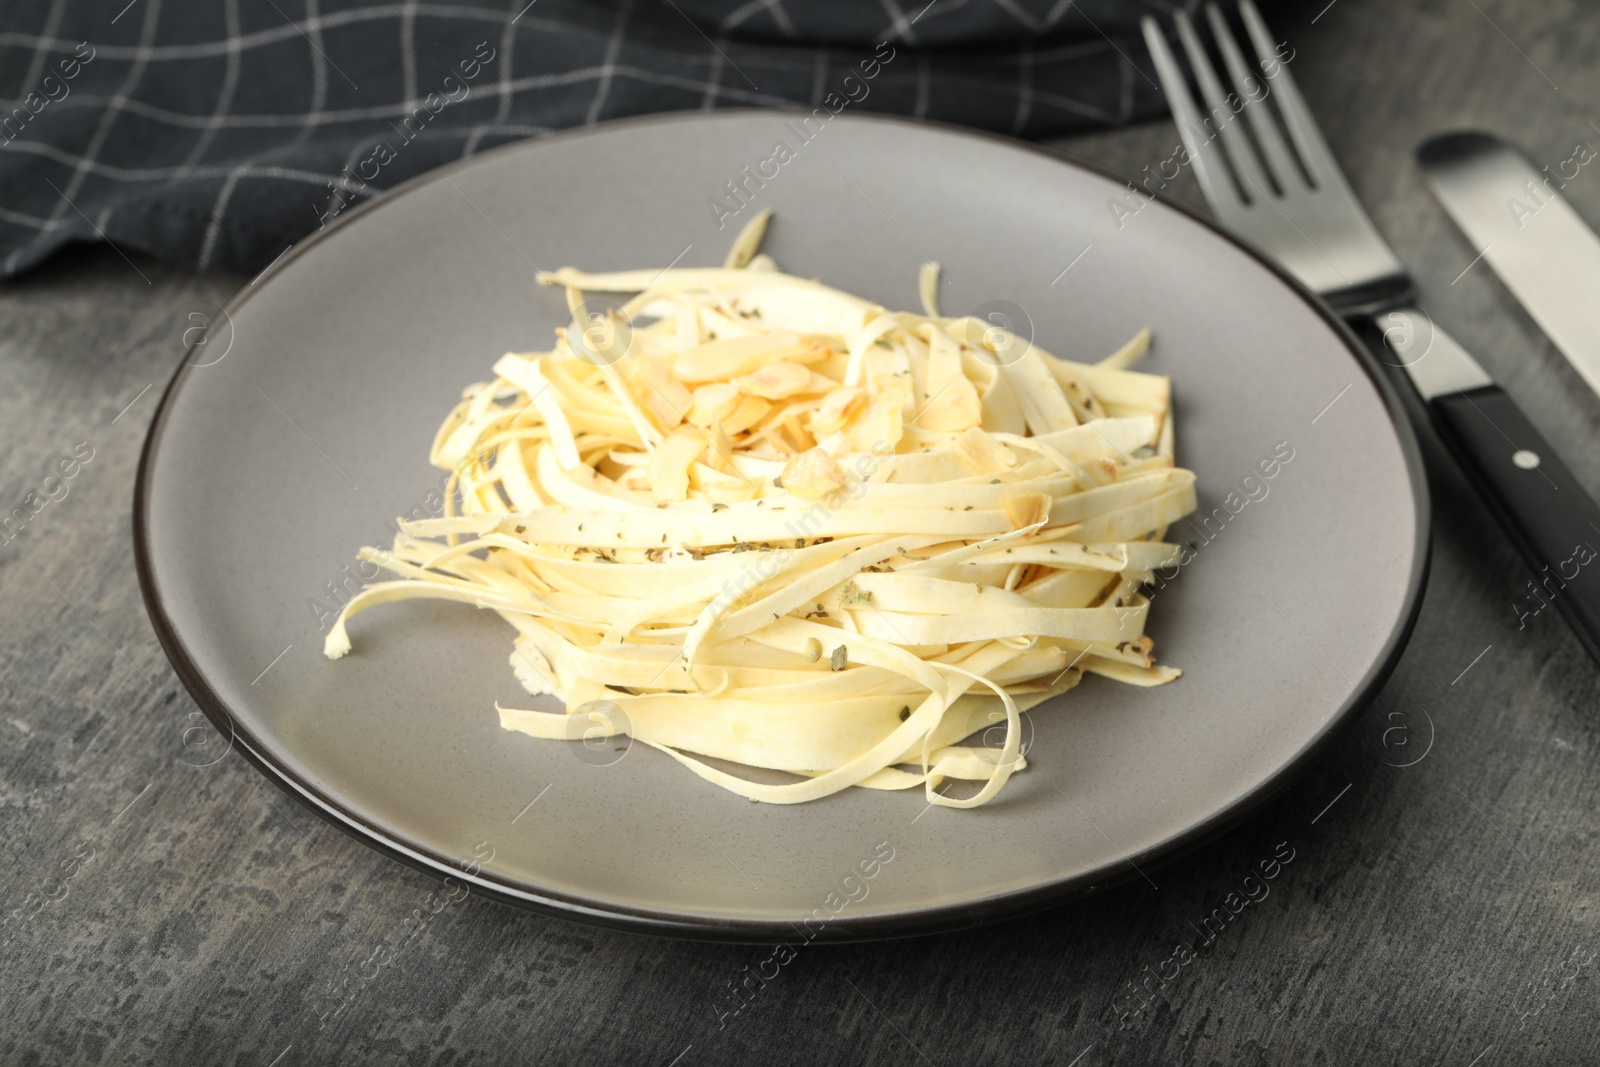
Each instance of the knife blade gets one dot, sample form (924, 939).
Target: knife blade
(1535, 242)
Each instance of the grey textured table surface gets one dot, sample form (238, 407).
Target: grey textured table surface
(161, 911)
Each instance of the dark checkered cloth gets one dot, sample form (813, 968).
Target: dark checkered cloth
(217, 132)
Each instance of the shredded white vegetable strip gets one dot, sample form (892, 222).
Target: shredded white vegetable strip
(782, 527)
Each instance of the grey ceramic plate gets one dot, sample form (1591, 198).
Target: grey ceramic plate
(309, 429)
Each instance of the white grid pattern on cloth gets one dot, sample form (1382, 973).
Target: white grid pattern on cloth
(319, 73)
(230, 84)
(176, 122)
(713, 79)
(609, 64)
(41, 54)
(899, 25)
(780, 17)
(152, 15)
(164, 174)
(1024, 90)
(404, 107)
(408, 48)
(1027, 20)
(507, 53)
(272, 35)
(208, 244)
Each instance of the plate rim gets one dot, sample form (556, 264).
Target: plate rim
(842, 928)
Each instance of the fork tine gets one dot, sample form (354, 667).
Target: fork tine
(1241, 154)
(1245, 81)
(1217, 189)
(1314, 151)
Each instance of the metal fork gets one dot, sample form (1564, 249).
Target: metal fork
(1298, 209)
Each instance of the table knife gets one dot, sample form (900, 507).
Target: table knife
(1534, 241)
(1540, 248)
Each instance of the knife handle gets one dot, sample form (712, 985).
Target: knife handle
(1551, 519)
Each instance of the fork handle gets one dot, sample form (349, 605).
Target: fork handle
(1554, 523)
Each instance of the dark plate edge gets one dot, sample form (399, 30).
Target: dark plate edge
(839, 928)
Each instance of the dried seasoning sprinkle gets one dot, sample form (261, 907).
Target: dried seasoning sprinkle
(964, 519)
